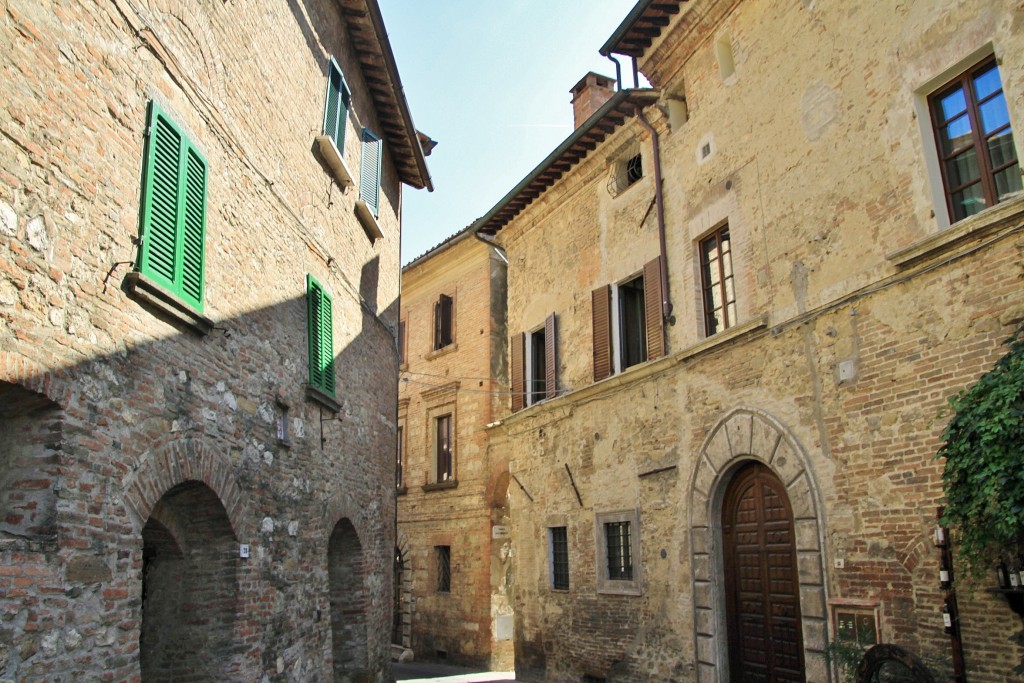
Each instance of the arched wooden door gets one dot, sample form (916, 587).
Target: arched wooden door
(761, 583)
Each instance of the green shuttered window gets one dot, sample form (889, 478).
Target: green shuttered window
(173, 212)
(321, 340)
(369, 172)
(338, 103)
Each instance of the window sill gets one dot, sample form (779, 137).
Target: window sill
(401, 490)
(959, 236)
(332, 157)
(368, 221)
(284, 443)
(326, 400)
(609, 587)
(163, 304)
(441, 486)
(451, 348)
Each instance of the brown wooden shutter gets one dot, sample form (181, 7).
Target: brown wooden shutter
(601, 306)
(550, 359)
(652, 309)
(518, 371)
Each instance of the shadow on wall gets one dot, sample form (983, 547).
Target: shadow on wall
(129, 481)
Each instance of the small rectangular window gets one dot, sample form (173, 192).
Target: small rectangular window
(320, 334)
(537, 389)
(401, 341)
(443, 435)
(444, 311)
(620, 558)
(975, 141)
(559, 549)
(719, 290)
(443, 555)
(173, 215)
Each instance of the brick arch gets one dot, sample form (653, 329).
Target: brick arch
(741, 436)
(177, 462)
(53, 384)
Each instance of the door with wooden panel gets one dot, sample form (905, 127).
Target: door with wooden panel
(761, 582)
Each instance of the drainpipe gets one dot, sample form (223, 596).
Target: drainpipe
(618, 69)
(666, 303)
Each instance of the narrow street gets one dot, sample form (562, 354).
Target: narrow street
(423, 672)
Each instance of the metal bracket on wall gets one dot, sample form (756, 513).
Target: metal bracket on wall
(516, 480)
(323, 439)
(573, 482)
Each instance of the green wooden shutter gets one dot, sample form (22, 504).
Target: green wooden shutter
(336, 111)
(369, 175)
(321, 336)
(173, 211)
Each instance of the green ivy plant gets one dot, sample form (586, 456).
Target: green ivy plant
(984, 472)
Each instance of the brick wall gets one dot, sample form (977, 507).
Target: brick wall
(860, 313)
(456, 380)
(146, 404)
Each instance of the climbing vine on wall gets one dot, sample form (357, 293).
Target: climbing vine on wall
(984, 473)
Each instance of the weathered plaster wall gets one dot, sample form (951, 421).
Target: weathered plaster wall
(819, 164)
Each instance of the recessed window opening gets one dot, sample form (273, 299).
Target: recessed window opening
(399, 457)
(723, 50)
(975, 141)
(634, 169)
(631, 322)
(536, 381)
(559, 549)
(719, 292)
(443, 318)
(620, 560)
(443, 447)
(443, 555)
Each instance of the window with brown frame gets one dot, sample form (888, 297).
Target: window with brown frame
(534, 365)
(975, 141)
(444, 311)
(717, 281)
(443, 448)
(627, 322)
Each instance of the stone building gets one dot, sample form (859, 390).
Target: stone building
(452, 514)
(200, 276)
(738, 302)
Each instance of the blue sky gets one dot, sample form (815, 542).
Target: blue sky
(489, 80)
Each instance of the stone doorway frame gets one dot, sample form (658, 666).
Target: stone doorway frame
(405, 599)
(745, 435)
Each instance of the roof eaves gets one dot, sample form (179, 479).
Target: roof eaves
(655, 12)
(487, 224)
(444, 245)
(415, 174)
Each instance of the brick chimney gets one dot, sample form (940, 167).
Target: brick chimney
(589, 94)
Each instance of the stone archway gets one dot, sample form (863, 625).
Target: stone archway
(748, 435)
(189, 588)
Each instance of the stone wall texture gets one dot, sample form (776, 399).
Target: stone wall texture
(860, 312)
(471, 623)
(138, 455)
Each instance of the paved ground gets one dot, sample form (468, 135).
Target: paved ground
(441, 673)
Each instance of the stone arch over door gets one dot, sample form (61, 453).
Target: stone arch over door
(749, 435)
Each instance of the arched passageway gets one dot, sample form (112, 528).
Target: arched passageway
(349, 602)
(189, 588)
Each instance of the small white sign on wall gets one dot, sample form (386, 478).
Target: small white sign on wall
(499, 531)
